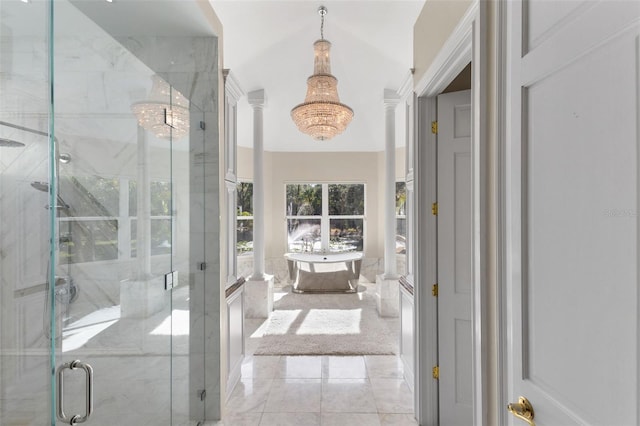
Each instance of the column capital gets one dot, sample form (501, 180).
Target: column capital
(257, 98)
(391, 98)
(231, 86)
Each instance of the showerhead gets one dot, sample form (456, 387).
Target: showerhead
(40, 186)
(44, 187)
(10, 143)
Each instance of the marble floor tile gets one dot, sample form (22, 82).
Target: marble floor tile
(384, 366)
(398, 420)
(260, 367)
(294, 395)
(290, 419)
(347, 396)
(234, 419)
(350, 419)
(392, 396)
(249, 395)
(299, 367)
(343, 367)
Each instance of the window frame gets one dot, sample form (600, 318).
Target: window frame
(325, 218)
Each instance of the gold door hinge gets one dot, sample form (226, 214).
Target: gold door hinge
(434, 209)
(436, 372)
(434, 127)
(434, 290)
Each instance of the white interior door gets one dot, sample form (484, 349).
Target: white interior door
(572, 210)
(454, 258)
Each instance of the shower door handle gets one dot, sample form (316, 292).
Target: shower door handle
(77, 418)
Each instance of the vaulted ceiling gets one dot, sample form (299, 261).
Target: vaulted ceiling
(269, 45)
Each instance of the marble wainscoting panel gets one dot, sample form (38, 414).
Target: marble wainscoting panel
(259, 297)
(278, 267)
(401, 264)
(245, 265)
(387, 296)
(371, 266)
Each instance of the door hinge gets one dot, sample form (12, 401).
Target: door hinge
(436, 372)
(434, 209)
(202, 125)
(434, 127)
(434, 290)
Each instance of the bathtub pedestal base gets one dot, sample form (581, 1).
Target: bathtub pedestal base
(387, 296)
(324, 273)
(259, 297)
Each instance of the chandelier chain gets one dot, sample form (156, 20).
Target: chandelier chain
(322, 26)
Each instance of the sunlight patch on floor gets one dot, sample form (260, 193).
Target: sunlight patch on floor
(283, 322)
(331, 322)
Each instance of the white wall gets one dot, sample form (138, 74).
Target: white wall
(432, 28)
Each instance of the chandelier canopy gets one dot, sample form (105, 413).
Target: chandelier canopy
(322, 116)
(165, 113)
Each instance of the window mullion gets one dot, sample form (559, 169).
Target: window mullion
(324, 224)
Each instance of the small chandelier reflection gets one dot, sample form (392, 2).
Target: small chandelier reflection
(165, 113)
(322, 116)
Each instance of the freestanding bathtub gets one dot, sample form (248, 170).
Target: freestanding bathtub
(324, 273)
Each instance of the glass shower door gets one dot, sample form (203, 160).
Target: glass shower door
(116, 233)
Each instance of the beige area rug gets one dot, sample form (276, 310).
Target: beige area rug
(327, 324)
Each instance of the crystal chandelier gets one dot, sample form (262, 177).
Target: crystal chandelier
(322, 116)
(165, 113)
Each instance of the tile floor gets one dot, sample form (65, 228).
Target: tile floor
(364, 390)
(320, 391)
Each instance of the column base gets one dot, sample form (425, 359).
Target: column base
(258, 297)
(387, 296)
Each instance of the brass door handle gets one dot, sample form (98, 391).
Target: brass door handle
(522, 410)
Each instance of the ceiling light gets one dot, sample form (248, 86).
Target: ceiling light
(165, 113)
(322, 116)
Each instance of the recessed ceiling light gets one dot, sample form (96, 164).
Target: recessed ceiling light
(25, 1)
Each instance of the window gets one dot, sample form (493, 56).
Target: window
(244, 224)
(325, 217)
(401, 218)
(100, 221)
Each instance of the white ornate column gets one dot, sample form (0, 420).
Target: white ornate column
(259, 286)
(387, 283)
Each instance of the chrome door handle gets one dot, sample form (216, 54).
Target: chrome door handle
(77, 418)
(522, 410)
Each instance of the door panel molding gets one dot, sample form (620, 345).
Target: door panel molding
(553, 152)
